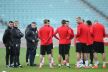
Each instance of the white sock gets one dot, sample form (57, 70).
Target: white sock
(104, 63)
(96, 63)
(41, 64)
(67, 64)
(59, 64)
(52, 60)
(86, 63)
(78, 62)
(81, 61)
(50, 64)
(43, 60)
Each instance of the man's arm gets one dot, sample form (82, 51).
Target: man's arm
(56, 35)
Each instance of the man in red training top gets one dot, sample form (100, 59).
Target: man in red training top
(51, 45)
(90, 42)
(64, 36)
(71, 37)
(45, 35)
(81, 44)
(98, 34)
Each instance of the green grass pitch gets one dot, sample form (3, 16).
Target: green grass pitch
(46, 66)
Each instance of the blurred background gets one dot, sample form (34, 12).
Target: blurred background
(26, 11)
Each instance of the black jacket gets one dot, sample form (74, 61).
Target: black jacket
(16, 35)
(32, 36)
(7, 36)
(27, 29)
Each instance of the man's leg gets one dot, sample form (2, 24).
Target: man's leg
(27, 53)
(86, 59)
(19, 56)
(63, 57)
(67, 49)
(60, 54)
(11, 56)
(67, 60)
(78, 59)
(27, 56)
(42, 54)
(78, 53)
(59, 60)
(96, 60)
(50, 60)
(7, 55)
(48, 50)
(32, 56)
(15, 56)
(41, 59)
(104, 59)
(64, 54)
(52, 54)
(86, 55)
(91, 57)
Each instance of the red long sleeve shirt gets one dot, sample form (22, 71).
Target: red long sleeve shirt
(82, 32)
(64, 35)
(51, 39)
(98, 32)
(45, 34)
(71, 34)
(90, 35)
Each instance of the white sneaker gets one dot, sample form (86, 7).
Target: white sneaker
(50, 65)
(80, 65)
(40, 66)
(90, 65)
(59, 65)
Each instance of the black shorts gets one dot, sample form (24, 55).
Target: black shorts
(45, 49)
(64, 49)
(81, 48)
(98, 47)
(51, 45)
(90, 48)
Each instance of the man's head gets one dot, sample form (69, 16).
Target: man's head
(88, 22)
(78, 19)
(16, 23)
(33, 24)
(63, 22)
(46, 22)
(67, 22)
(10, 24)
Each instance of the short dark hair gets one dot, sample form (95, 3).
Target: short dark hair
(11, 22)
(67, 21)
(83, 20)
(89, 22)
(33, 22)
(79, 17)
(63, 21)
(46, 21)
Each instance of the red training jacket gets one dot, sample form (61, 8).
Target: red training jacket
(98, 32)
(64, 34)
(45, 34)
(82, 33)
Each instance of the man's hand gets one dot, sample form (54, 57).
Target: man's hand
(33, 41)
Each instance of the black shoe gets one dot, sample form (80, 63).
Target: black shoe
(32, 64)
(7, 66)
(11, 66)
(69, 66)
(15, 66)
(27, 63)
(20, 66)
